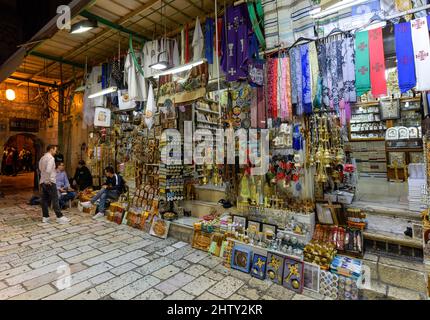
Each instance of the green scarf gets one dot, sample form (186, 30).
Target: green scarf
(362, 63)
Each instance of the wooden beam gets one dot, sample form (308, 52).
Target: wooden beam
(202, 9)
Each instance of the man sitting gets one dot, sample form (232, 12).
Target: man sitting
(111, 190)
(83, 178)
(66, 193)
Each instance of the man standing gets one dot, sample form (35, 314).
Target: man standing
(48, 179)
(83, 178)
(63, 186)
(111, 190)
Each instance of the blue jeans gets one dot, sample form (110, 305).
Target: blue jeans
(65, 198)
(103, 195)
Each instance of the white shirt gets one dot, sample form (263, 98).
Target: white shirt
(135, 80)
(198, 41)
(48, 173)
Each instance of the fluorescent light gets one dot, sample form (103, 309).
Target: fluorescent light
(334, 8)
(180, 69)
(103, 92)
(83, 26)
(162, 65)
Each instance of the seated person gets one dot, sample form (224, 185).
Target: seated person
(111, 190)
(83, 178)
(66, 193)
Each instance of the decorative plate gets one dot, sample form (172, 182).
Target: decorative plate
(403, 133)
(413, 133)
(392, 134)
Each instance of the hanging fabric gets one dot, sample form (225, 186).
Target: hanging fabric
(198, 41)
(299, 79)
(218, 41)
(313, 60)
(150, 108)
(255, 21)
(405, 56)
(293, 76)
(348, 70)
(421, 45)
(362, 63)
(336, 76)
(323, 82)
(377, 63)
(209, 40)
(183, 46)
(272, 87)
(404, 5)
(306, 79)
(187, 44)
(235, 42)
(286, 105)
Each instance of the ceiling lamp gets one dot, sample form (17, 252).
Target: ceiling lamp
(180, 69)
(160, 65)
(10, 94)
(103, 92)
(83, 26)
(344, 4)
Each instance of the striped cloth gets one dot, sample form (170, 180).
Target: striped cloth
(278, 27)
(303, 22)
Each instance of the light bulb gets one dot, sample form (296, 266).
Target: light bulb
(10, 94)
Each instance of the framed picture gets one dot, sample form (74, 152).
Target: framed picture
(258, 269)
(159, 228)
(241, 258)
(293, 275)
(416, 157)
(390, 109)
(254, 225)
(417, 231)
(275, 267)
(240, 221)
(397, 157)
(102, 117)
(269, 229)
(403, 133)
(201, 240)
(326, 213)
(311, 278)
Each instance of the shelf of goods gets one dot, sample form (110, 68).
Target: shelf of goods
(366, 123)
(370, 157)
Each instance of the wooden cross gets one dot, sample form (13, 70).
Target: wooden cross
(332, 207)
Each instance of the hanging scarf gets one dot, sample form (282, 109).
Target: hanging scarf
(254, 108)
(336, 74)
(405, 56)
(421, 44)
(287, 70)
(348, 70)
(209, 40)
(272, 90)
(293, 76)
(313, 59)
(187, 44)
(377, 63)
(306, 82)
(299, 80)
(150, 108)
(362, 63)
(322, 61)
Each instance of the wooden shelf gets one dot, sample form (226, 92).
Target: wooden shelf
(207, 110)
(207, 122)
(366, 139)
(373, 130)
(375, 121)
(366, 104)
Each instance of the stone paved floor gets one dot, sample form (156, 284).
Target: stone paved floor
(107, 261)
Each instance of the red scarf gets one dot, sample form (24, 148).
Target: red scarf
(377, 63)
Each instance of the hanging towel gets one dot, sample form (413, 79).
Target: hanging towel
(362, 63)
(348, 70)
(313, 59)
(421, 44)
(198, 41)
(150, 108)
(405, 56)
(209, 40)
(306, 79)
(377, 63)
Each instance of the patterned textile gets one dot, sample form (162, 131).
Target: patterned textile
(313, 59)
(278, 25)
(285, 89)
(272, 87)
(348, 70)
(303, 22)
(306, 79)
(377, 63)
(405, 56)
(299, 79)
(421, 44)
(362, 63)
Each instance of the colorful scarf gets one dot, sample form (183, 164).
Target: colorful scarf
(209, 40)
(322, 61)
(362, 63)
(313, 59)
(293, 76)
(421, 44)
(405, 56)
(306, 79)
(285, 89)
(377, 63)
(272, 87)
(299, 80)
(348, 70)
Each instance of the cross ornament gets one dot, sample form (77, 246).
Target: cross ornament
(377, 67)
(405, 60)
(232, 71)
(363, 70)
(422, 55)
(362, 46)
(374, 34)
(417, 24)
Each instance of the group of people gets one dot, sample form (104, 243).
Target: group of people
(56, 188)
(13, 161)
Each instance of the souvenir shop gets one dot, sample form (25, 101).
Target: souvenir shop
(311, 99)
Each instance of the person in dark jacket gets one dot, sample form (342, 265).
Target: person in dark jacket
(111, 190)
(82, 178)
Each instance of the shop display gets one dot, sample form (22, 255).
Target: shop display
(241, 258)
(311, 278)
(258, 269)
(275, 267)
(293, 275)
(159, 228)
(329, 284)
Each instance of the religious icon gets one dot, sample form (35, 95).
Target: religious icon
(259, 266)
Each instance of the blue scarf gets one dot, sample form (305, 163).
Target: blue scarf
(299, 79)
(306, 79)
(405, 56)
(209, 40)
